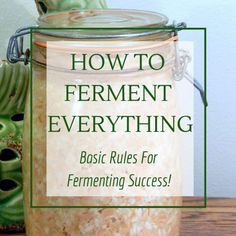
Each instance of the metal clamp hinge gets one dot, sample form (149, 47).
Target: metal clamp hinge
(15, 49)
(181, 63)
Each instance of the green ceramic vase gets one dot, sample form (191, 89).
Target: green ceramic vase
(49, 6)
(13, 89)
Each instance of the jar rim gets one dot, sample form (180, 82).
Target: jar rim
(102, 23)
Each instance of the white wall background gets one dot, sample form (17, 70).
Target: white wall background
(219, 17)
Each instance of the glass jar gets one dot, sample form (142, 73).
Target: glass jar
(94, 221)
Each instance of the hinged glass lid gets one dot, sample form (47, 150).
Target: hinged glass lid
(113, 18)
(100, 19)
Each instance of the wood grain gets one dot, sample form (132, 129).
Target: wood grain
(218, 219)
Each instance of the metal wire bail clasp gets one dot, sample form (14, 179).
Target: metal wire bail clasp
(15, 49)
(181, 63)
(181, 59)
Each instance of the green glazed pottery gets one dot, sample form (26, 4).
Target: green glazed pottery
(11, 197)
(49, 6)
(14, 81)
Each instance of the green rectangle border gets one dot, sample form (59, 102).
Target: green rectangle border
(204, 29)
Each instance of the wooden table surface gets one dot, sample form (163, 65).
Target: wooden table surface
(218, 219)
